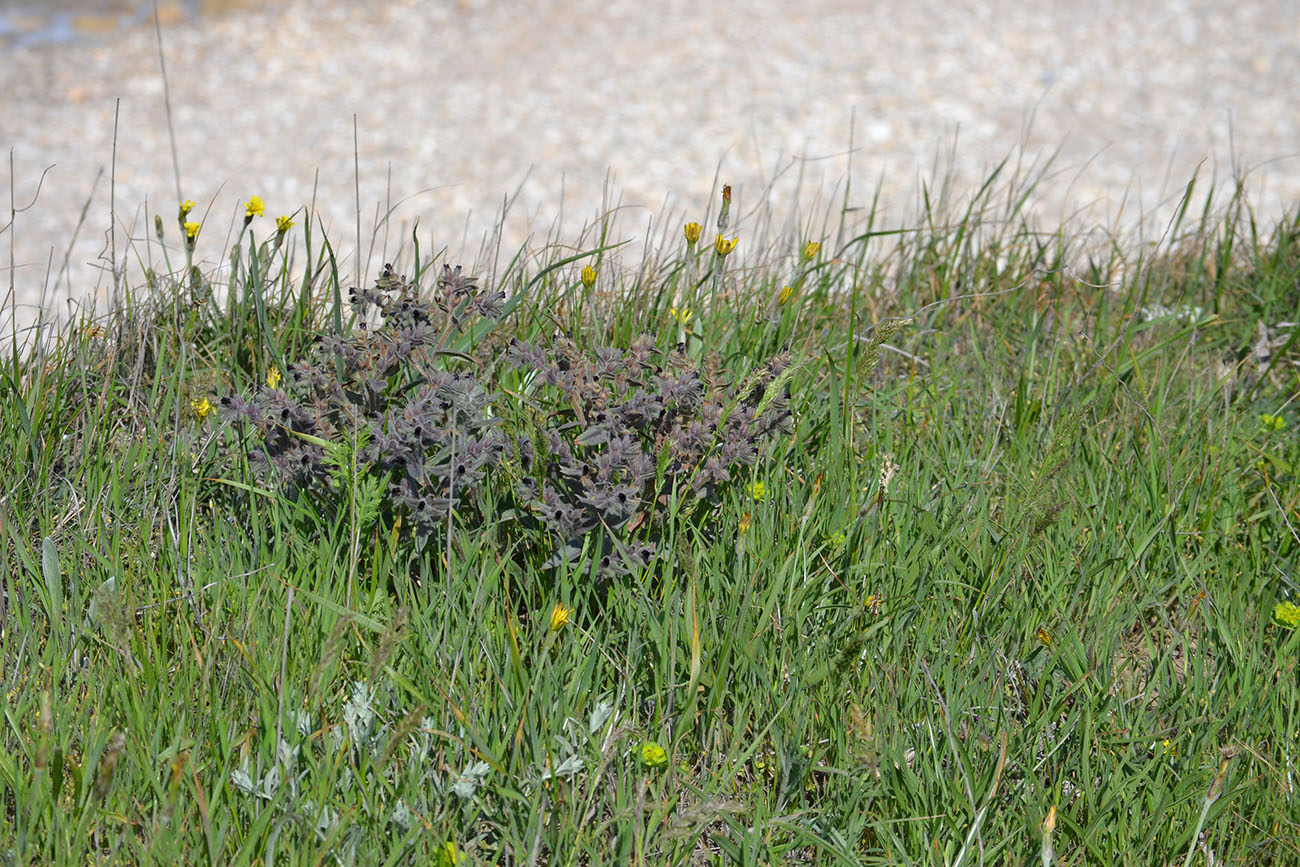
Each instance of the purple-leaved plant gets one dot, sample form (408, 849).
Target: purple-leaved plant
(423, 424)
(637, 437)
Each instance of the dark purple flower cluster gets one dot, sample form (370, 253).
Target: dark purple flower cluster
(640, 436)
(425, 431)
(455, 301)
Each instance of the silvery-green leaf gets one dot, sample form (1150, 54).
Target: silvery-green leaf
(401, 816)
(600, 715)
(242, 781)
(358, 713)
(570, 766)
(325, 819)
(270, 783)
(470, 779)
(286, 754)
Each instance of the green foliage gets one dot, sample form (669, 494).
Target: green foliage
(1014, 590)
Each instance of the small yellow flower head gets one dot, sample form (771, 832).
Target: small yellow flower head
(186, 207)
(272, 376)
(681, 314)
(758, 491)
(1044, 637)
(1287, 614)
(653, 756)
(810, 250)
(743, 526)
(693, 233)
(200, 408)
(1168, 746)
(588, 276)
(283, 224)
(559, 616)
(723, 246)
(191, 231)
(786, 293)
(1271, 423)
(872, 602)
(254, 208)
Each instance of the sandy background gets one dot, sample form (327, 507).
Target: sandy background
(459, 101)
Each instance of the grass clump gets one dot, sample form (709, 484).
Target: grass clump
(1012, 584)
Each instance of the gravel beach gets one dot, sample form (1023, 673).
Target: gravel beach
(461, 103)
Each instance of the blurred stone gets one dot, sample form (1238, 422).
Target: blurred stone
(460, 104)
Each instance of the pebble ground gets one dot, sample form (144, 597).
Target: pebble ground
(570, 106)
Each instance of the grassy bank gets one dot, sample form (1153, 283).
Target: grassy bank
(1007, 583)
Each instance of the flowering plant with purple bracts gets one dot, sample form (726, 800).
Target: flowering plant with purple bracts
(640, 436)
(420, 425)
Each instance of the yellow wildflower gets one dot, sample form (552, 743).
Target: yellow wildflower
(681, 314)
(272, 376)
(1044, 637)
(723, 246)
(588, 276)
(758, 491)
(1287, 614)
(186, 207)
(200, 408)
(559, 616)
(191, 231)
(693, 233)
(254, 208)
(1049, 825)
(653, 756)
(283, 224)
(786, 292)
(810, 250)
(743, 526)
(1271, 423)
